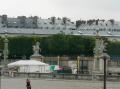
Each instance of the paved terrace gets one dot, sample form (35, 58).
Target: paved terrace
(9, 83)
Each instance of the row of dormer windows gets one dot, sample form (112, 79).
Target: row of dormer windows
(58, 28)
(116, 30)
(39, 23)
(53, 24)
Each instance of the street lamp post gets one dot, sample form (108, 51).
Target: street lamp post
(0, 69)
(0, 62)
(105, 56)
(0, 58)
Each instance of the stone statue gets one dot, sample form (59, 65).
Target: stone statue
(36, 48)
(99, 48)
(98, 52)
(36, 52)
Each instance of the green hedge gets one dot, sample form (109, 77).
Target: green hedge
(56, 45)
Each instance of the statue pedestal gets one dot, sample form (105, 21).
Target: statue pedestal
(37, 57)
(98, 69)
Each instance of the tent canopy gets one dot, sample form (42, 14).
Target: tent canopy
(26, 63)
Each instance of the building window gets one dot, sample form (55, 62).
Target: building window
(62, 23)
(64, 28)
(58, 28)
(41, 27)
(73, 28)
(53, 27)
(46, 27)
(45, 23)
(50, 22)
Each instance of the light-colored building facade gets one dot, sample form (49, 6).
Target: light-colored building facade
(34, 25)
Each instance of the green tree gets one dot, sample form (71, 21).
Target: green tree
(113, 48)
(20, 46)
(55, 45)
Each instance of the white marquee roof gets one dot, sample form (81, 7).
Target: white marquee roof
(26, 63)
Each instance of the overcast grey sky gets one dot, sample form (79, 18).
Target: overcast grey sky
(74, 9)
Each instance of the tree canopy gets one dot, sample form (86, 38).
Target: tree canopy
(55, 45)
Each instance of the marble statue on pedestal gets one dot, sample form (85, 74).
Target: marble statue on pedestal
(36, 49)
(36, 52)
(98, 51)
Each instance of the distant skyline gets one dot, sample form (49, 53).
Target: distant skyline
(73, 9)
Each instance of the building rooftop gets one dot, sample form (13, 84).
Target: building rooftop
(23, 25)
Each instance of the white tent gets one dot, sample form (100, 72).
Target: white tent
(30, 66)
